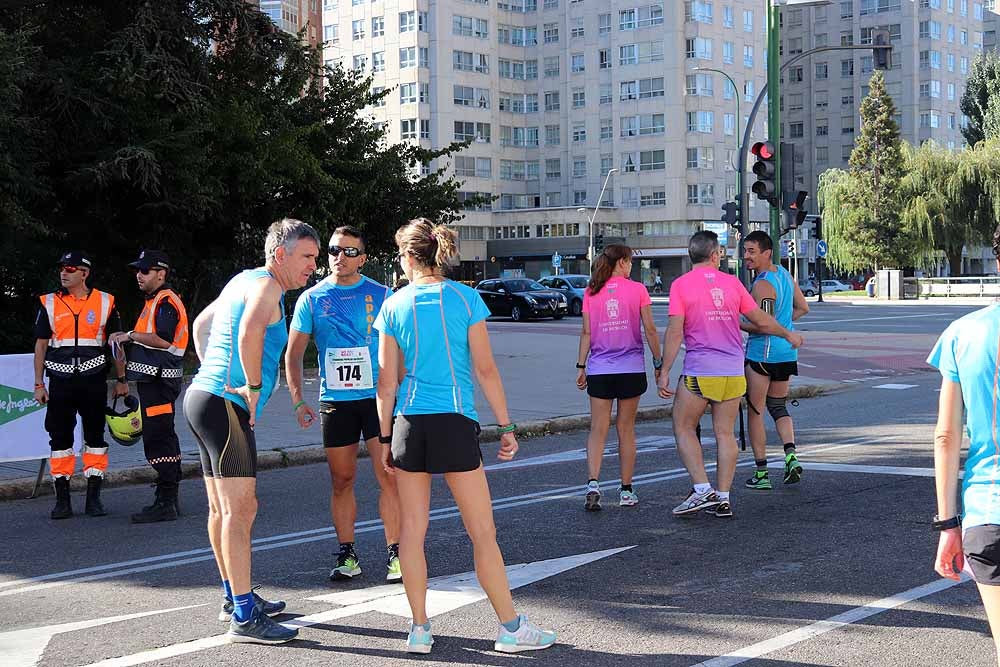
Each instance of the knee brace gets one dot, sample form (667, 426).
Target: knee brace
(776, 406)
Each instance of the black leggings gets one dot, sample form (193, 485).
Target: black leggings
(225, 438)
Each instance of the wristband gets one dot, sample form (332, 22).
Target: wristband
(385, 439)
(123, 380)
(658, 364)
(39, 386)
(298, 405)
(129, 334)
(509, 428)
(945, 524)
(255, 388)
(582, 366)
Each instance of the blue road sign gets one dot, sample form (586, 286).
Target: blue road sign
(556, 260)
(821, 248)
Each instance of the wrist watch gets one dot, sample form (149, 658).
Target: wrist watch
(123, 380)
(945, 524)
(658, 363)
(385, 439)
(582, 366)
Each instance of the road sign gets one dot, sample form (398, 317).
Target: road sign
(720, 228)
(821, 248)
(556, 260)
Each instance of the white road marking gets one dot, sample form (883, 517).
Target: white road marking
(24, 648)
(170, 560)
(863, 469)
(802, 363)
(444, 594)
(894, 386)
(870, 319)
(808, 632)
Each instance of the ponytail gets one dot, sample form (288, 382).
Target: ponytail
(605, 265)
(447, 246)
(429, 244)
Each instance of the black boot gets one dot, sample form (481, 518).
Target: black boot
(156, 500)
(94, 506)
(164, 507)
(63, 508)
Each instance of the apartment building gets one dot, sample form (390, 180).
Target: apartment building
(293, 16)
(555, 95)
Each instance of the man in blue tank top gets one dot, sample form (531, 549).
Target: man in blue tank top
(771, 360)
(340, 312)
(239, 339)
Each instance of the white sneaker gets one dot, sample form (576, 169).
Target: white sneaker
(627, 499)
(419, 640)
(528, 637)
(695, 502)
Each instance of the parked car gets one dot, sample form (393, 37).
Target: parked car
(836, 286)
(521, 298)
(570, 286)
(808, 288)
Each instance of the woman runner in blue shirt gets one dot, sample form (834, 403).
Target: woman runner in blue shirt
(436, 329)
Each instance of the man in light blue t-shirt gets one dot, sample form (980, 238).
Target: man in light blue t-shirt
(339, 312)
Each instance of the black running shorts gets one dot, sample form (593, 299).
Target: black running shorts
(616, 385)
(225, 439)
(981, 545)
(779, 371)
(344, 422)
(438, 443)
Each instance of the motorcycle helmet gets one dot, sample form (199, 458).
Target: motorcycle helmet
(125, 425)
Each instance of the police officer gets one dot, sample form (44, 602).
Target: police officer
(155, 350)
(71, 348)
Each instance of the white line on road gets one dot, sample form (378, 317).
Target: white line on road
(171, 560)
(808, 632)
(805, 365)
(870, 319)
(894, 386)
(863, 469)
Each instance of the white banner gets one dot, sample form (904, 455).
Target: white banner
(22, 419)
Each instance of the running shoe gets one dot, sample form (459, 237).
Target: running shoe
(760, 481)
(695, 502)
(527, 637)
(265, 607)
(419, 640)
(723, 510)
(593, 502)
(793, 469)
(348, 566)
(394, 572)
(627, 499)
(259, 629)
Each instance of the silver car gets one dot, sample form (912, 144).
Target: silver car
(571, 286)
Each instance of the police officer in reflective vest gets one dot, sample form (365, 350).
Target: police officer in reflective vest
(155, 351)
(71, 348)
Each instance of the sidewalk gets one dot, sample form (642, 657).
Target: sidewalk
(933, 301)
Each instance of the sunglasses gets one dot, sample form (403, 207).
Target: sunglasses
(69, 269)
(349, 251)
(146, 272)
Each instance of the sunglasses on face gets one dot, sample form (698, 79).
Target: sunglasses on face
(69, 269)
(348, 251)
(146, 272)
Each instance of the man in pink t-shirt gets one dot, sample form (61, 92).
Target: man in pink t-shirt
(705, 309)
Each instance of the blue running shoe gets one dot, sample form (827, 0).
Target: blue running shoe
(419, 640)
(268, 608)
(259, 629)
(527, 637)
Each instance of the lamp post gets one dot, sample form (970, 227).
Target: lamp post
(592, 218)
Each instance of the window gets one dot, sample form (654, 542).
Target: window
(407, 21)
(629, 126)
(822, 128)
(795, 74)
(378, 26)
(425, 56)
(375, 91)
(822, 99)
(748, 90)
(553, 169)
(629, 90)
(360, 62)
(479, 167)
(579, 197)
(847, 39)
(692, 194)
(607, 162)
(577, 63)
(652, 160)
(847, 125)
(867, 64)
(408, 128)
(698, 47)
(846, 9)
(822, 154)
(820, 40)
(729, 124)
(747, 55)
(701, 158)
(552, 66)
(519, 136)
(408, 57)
(653, 197)
(579, 98)
(579, 132)
(700, 121)
(422, 20)
(699, 11)
(727, 16)
(408, 93)
(471, 97)
(794, 46)
(607, 131)
(576, 28)
(728, 49)
(465, 131)
(358, 29)
(747, 20)
(951, 92)
(552, 101)
(552, 135)
(728, 90)
(846, 68)
(550, 32)
(604, 58)
(630, 198)
(796, 130)
(822, 70)
(378, 61)
(330, 33)
(579, 167)
(605, 93)
(603, 24)
(640, 17)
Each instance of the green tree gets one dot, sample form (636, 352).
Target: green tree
(861, 205)
(981, 100)
(188, 125)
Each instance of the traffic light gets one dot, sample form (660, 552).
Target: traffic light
(795, 213)
(882, 56)
(765, 188)
(598, 243)
(791, 247)
(731, 214)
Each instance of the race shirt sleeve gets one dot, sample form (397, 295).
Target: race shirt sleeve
(383, 323)
(586, 300)
(747, 302)
(676, 302)
(480, 311)
(302, 320)
(942, 357)
(644, 299)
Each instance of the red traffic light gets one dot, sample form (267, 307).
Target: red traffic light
(763, 150)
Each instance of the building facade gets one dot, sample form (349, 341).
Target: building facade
(294, 16)
(559, 98)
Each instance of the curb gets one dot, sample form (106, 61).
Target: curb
(21, 488)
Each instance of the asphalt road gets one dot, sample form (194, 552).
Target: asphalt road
(833, 571)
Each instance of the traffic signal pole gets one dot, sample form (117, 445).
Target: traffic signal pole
(773, 106)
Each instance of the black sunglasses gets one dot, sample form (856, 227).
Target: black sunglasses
(146, 272)
(349, 251)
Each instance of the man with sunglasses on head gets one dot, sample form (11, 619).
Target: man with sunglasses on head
(71, 349)
(339, 311)
(155, 349)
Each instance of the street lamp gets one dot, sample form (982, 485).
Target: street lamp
(591, 218)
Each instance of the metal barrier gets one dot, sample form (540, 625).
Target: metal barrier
(985, 286)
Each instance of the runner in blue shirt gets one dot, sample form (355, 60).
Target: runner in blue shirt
(437, 329)
(339, 313)
(968, 356)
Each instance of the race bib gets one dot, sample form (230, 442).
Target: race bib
(349, 368)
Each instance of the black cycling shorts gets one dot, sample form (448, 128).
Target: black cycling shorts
(225, 438)
(981, 545)
(438, 443)
(779, 371)
(610, 386)
(344, 422)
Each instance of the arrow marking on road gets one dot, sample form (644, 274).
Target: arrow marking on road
(444, 594)
(25, 647)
